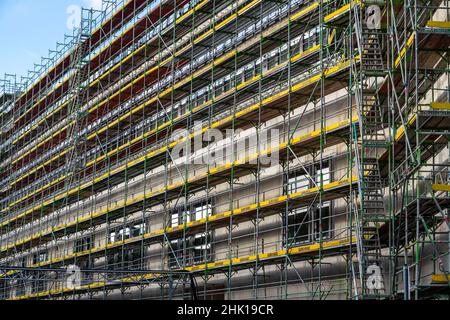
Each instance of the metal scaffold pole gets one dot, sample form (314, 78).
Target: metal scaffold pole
(245, 149)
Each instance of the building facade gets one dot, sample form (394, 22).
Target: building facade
(241, 149)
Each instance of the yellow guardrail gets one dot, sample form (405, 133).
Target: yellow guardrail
(148, 195)
(440, 105)
(150, 71)
(441, 187)
(440, 279)
(341, 11)
(297, 87)
(312, 248)
(438, 24)
(198, 7)
(198, 223)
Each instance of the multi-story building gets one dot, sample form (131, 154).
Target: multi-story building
(232, 150)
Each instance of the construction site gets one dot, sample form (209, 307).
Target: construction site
(232, 150)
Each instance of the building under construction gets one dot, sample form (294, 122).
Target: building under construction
(240, 149)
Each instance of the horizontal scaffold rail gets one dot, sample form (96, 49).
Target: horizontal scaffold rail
(95, 40)
(117, 20)
(431, 124)
(430, 49)
(300, 145)
(330, 191)
(334, 247)
(134, 112)
(159, 132)
(123, 197)
(126, 91)
(246, 114)
(63, 87)
(142, 80)
(428, 209)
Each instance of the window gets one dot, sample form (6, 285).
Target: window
(21, 286)
(296, 46)
(202, 97)
(314, 223)
(138, 230)
(112, 237)
(202, 211)
(309, 225)
(201, 249)
(198, 250)
(265, 64)
(322, 221)
(198, 247)
(37, 284)
(124, 234)
(127, 259)
(40, 257)
(175, 254)
(248, 74)
(310, 39)
(323, 174)
(227, 83)
(21, 281)
(3, 291)
(132, 257)
(175, 221)
(301, 180)
(240, 77)
(130, 231)
(219, 87)
(83, 245)
(298, 182)
(272, 60)
(194, 213)
(284, 53)
(86, 264)
(299, 226)
(180, 217)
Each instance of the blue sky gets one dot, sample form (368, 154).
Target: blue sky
(29, 28)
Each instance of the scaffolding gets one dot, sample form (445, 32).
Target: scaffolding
(243, 149)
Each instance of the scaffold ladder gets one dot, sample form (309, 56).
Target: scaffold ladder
(80, 93)
(370, 203)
